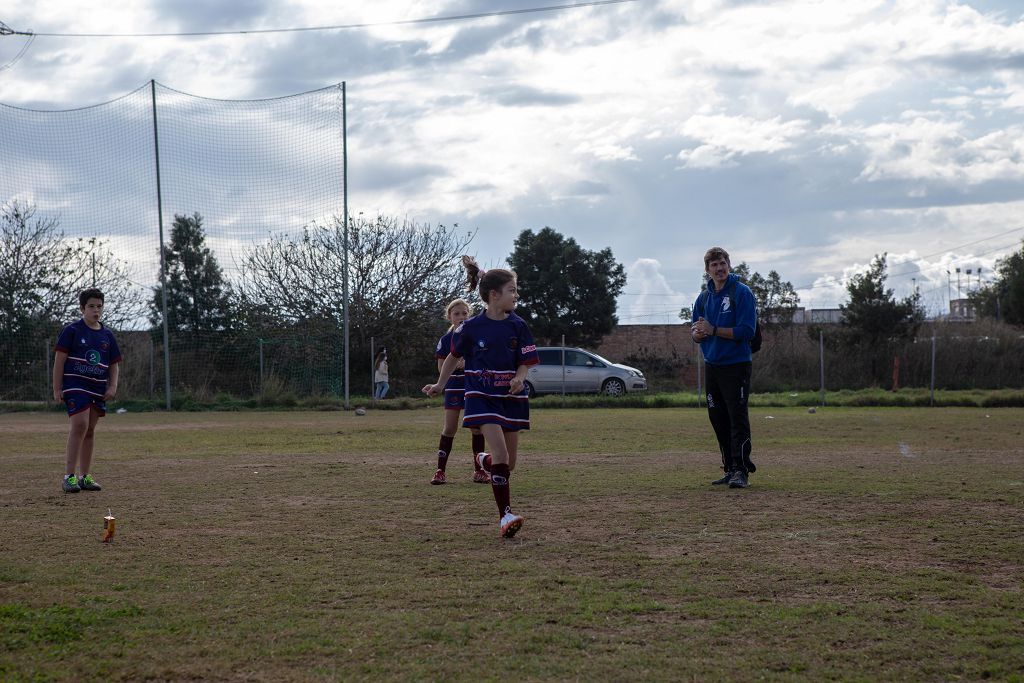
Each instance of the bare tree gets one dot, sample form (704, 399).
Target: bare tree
(42, 272)
(401, 274)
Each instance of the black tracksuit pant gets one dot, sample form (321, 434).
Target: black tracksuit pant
(728, 390)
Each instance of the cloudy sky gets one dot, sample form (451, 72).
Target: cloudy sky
(803, 137)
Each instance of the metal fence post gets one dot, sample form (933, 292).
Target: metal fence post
(932, 399)
(563, 370)
(260, 340)
(47, 371)
(700, 377)
(821, 355)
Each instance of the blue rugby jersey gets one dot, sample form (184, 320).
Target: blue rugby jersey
(444, 347)
(91, 353)
(455, 389)
(493, 349)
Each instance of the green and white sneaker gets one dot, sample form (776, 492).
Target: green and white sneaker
(87, 483)
(70, 484)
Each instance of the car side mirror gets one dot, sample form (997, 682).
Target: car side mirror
(590, 363)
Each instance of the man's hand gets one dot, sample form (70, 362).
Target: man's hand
(701, 330)
(431, 390)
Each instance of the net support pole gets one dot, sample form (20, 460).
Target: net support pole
(163, 260)
(344, 275)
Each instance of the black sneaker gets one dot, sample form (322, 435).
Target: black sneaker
(723, 480)
(70, 484)
(738, 480)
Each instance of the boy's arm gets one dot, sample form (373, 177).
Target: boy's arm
(115, 373)
(58, 373)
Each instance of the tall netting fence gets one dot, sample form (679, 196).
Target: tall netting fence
(94, 196)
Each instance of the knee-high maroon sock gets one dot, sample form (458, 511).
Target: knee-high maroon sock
(478, 447)
(444, 447)
(500, 487)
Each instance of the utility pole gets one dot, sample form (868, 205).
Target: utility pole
(949, 291)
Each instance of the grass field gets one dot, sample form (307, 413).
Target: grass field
(874, 544)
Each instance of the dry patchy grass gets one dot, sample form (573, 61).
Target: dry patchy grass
(874, 544)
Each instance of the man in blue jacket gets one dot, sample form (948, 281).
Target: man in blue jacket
(724, 319)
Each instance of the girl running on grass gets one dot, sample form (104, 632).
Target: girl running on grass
(454, 399)
(498, 349)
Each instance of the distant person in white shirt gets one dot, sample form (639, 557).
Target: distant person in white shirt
(380, 375)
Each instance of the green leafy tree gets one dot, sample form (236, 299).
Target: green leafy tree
(1004, 298)
(873, 320)
(198, 297)
(564, 288)
(873, 315)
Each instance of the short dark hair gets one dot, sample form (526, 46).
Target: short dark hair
(86, 294)
(714, 254)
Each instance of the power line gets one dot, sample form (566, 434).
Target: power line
(427, 20)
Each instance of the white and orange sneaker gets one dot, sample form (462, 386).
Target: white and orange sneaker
(484, 461)
(481, 477)
(510, 524)
(439, 478)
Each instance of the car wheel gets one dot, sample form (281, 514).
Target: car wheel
(613, 387)
(530, 391)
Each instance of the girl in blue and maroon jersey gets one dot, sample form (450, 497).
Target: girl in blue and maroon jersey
(454, 399)
(85, 372)
(498, 349)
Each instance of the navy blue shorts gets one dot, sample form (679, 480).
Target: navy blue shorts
(454, 399)
(455, 393)
(77, 402)
(511, 413)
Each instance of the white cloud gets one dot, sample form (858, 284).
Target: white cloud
(814, 133)
(726, 137)
(940, 150)
(650, 297)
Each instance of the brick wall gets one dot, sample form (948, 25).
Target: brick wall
(670, 344)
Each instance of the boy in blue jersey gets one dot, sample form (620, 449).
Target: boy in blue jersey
(724, 319)
(86, 367)
(455, 313)
(498, 349)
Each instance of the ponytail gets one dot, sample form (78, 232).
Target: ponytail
(472, 273)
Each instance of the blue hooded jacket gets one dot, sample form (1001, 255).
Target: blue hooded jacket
(740, 314)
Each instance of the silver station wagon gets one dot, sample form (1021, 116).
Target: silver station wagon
(580, 372)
